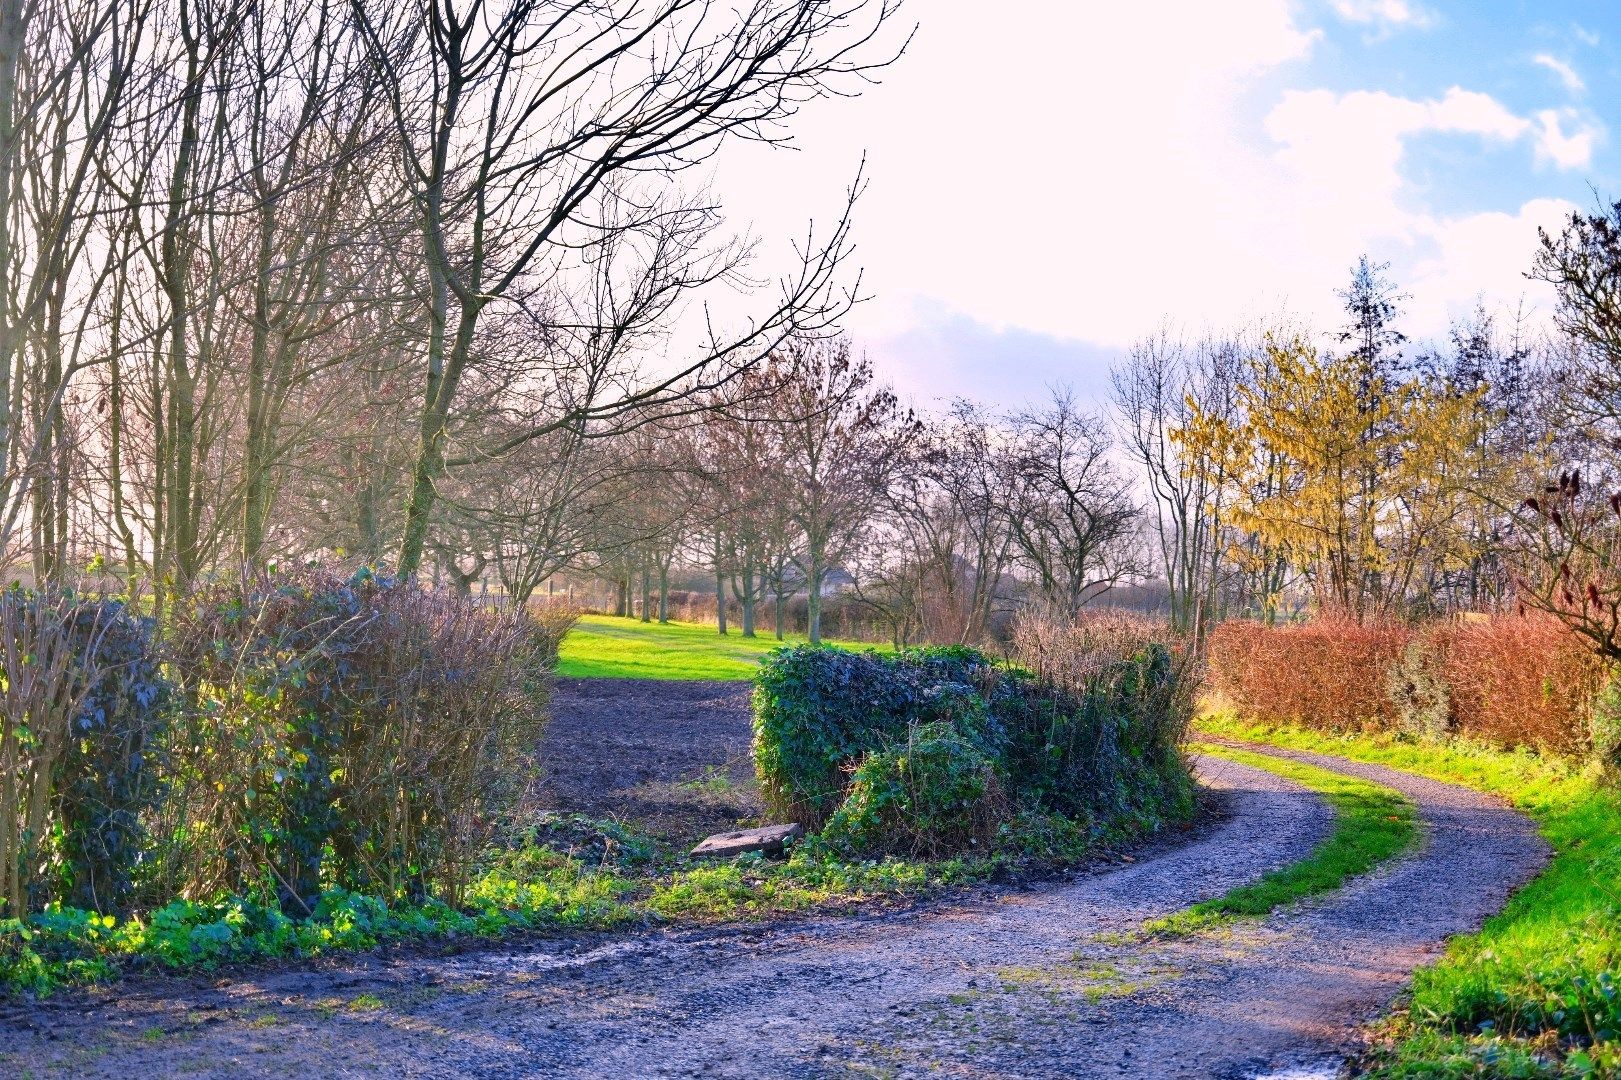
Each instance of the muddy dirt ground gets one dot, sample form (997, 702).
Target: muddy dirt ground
(672, 758)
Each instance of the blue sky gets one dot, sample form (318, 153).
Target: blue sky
(1529, 57)
(1050, 182)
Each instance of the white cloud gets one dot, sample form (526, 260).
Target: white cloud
(1468, 255)
(1387, 13)
(1572, 151)
(1121, 167)
(1356, 141)
(1566, 74)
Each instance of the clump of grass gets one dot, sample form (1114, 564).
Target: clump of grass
(715, 782)
(1372, 823)
(1536, 992)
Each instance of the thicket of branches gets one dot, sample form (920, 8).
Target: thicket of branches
(381, 280)
(427, 286)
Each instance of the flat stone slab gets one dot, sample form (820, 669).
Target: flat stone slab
(770, 839)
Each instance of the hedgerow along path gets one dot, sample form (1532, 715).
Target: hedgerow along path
(1054, 981)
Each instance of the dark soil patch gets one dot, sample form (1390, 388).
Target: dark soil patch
(669, 758)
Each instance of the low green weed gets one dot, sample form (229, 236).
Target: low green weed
(67, 946)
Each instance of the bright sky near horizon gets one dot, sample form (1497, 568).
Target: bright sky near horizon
(1051, 180)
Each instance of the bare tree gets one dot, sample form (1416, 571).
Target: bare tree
(947, 544)
(66, 68)
(1163, 383)
(842, 438)
(1071, 513)
(535, 136)
(739, 460)
(305, 147)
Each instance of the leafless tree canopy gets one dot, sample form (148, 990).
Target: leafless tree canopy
(378, 279)
(433, 285)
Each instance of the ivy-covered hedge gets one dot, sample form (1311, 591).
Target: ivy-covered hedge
(932, 750)
(83, 708)
(932, 794)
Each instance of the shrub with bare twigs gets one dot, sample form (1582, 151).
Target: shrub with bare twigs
(1513, 680)
(362, 731)
(82, 709)
(1330, 672)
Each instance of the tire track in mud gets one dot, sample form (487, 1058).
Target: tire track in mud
(1047, 982)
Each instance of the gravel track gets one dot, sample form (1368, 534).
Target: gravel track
(1046, 982)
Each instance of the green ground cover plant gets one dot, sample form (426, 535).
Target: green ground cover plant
(541, 885)
(610, 647)
(540, 889)
(1372, 823)
(1536, 993)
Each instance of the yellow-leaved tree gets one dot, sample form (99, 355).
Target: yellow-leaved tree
(1356, 484)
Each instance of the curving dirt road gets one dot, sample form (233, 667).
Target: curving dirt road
(1017, 984)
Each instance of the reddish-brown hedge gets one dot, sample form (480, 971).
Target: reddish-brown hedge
(1329, 672)
(1512, 680)
(1519, 680)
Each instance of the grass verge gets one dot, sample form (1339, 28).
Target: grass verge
(608, 647)
(1537, 992)
(1372, 823)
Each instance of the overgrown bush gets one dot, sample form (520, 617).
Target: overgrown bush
(354, 732)
(1605, 728)
(933, 794)
(82, 709)
(1099, 724)
(931, 750)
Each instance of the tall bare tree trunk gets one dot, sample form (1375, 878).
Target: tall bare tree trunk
(176, 473)
(13, 30)
(720, 602)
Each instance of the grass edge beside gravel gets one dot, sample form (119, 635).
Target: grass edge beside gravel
(1536, 992)
(1373, 823)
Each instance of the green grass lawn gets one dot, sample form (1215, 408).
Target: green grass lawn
(1537, 992)
(606, 647)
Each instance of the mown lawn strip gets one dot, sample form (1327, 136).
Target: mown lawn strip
(1372, 823)
(609, 647)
